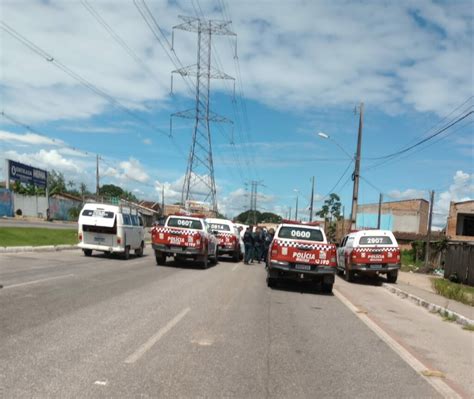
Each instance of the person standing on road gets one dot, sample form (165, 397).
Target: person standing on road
(266, 243)
(258, 244)
(249, 245)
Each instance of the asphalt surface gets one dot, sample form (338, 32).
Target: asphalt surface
(73, 326)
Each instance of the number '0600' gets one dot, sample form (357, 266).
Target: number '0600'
(300, 234)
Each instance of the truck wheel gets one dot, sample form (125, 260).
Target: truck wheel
(87, 252)
(126, 253)
(215, 259)
(160, 258)
(205, 261)
(236, 256)
(271, 282)
(349, 275)
(139, 251)
(392, 276)
(326, 288)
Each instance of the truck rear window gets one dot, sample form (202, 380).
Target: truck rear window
(375, 240)
(185, 223)
(220, 227)
(300, 233)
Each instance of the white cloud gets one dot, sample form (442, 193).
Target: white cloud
(397, 55)
(409, 193)
(462, 189)
(131, 170)
(147, 141)
(47, 159)
(28, 138)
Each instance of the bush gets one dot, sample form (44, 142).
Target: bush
(458, 292)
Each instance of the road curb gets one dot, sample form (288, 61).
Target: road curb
(43, 248)
(431, 307)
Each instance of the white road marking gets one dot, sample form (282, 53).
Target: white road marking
(37, 281)
(437, 383)
(235, 267)
(155, 338)
(103, 383)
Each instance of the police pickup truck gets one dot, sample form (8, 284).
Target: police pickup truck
(185, 237)
(369, 252)
(300, 251)
(228, 238)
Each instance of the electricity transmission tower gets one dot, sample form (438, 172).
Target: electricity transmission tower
(252, 215)
(199, 179)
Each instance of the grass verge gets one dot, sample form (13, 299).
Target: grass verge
(458, 292)
(408, 261)
(24, 236)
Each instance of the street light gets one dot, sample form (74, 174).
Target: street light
(328, 137)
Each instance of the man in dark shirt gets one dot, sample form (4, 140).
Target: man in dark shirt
(249, 245)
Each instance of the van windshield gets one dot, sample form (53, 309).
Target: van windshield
(185, 223)
(300, 233)
(375, 240)
(98, 213)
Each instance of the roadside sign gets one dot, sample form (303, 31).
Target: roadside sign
(27, 174)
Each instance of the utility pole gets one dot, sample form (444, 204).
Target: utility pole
(312, 201)
(355, 176)
(162, 200)
(199, 179)
(343, 221)
(428, 237)
(296, 209)
(97, 183)
(289, 214)
(380, 211)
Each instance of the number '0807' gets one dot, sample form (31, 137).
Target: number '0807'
(300, 234)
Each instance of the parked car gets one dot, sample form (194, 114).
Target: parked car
(185, 237)
(300, 251)
(111, 229)
(369, 252)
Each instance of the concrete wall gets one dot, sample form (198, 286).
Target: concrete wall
(409, 216)
(6, 202)
(32, 206)
(59, 208)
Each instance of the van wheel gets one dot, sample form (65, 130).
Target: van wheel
(139, 251)
(87, 252)
(392, 276)
(126, 253)
(271, 282)
(349, 275)
(160, 258)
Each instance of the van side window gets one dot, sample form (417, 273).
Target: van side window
(126, 219)
(134, 220)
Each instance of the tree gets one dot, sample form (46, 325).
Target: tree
(265, 217)
(111, 190)
(331, 213)
(56, 183)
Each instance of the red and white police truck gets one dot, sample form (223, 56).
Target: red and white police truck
(185, 237)
(369, 252)
(300, 251)
(228, 238)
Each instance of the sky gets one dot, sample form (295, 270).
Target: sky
(302, 67)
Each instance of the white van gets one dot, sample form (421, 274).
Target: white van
(111, 229)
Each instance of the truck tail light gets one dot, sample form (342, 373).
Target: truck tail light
(119, 240)
(80, 236)
(274, 249)
(332, 257)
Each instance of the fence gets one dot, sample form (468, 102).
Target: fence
(459, 260)
(60, 209)
(6, 203)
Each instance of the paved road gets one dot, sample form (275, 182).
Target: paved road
(73, 326)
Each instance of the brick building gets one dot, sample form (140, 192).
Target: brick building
(461, 221)
(407, 216)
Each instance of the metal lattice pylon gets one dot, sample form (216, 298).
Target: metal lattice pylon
(199, 182)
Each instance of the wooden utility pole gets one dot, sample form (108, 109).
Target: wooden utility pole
(428, 236)
(296, 210)
(312, 201)
(380, 211)
(355, 176)
(162, 200)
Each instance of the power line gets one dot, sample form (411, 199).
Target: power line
(100, 92)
